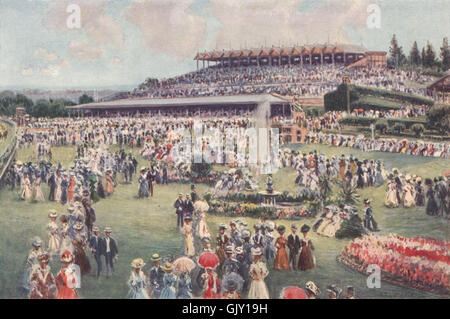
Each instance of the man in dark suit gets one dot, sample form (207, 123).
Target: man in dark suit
(90, 216)
(293, 244)
(179, 204)
(156, 276)
(194, 196)
(188, 207)
(97, 248)
(150, 179)
(52, 184)
(111, 251)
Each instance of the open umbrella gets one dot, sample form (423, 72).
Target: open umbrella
(184, 265)
(293, 292)
(208, 260)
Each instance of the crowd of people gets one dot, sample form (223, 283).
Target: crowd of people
(417, 262)
(306, 80)
(391, 145)
(410, 191)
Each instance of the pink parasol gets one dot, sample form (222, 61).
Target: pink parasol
(184, 264)
(208, 260)
(294, 292)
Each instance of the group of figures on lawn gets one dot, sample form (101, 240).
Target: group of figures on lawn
(69, 238)
(96, 171)
(408, 191)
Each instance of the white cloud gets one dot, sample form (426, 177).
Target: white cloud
(82, 51)
(27, 71)
(168, 27)
(45, 55)
(258, 21)
(52, 70)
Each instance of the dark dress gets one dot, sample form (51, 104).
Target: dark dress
(432, 207)
(306, 260)
(420, 196)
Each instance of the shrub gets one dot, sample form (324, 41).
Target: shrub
(439, 118)
(399, 127)
(418, 129)
(381, 126)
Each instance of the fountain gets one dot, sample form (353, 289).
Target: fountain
(269, 196)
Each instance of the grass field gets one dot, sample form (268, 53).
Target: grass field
(143, 227)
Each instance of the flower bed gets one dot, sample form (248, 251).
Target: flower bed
(420, 263)
(225, 208)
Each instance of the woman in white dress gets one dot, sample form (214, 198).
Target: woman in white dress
(187, 231)
(391, 194)
(58, 191)
(26, 192)
(202, 227)
(53, 237)
(258, 272)
(137, 282)
(37, 191)
(409, 194)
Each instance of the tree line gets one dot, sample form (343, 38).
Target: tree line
(9, 101)
(425, 58)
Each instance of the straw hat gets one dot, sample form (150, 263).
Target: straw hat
(37, 242)
(137, 263)
(167, 267)
(44, 257)
(52, 213)
(312, 287)
(95, 228)
(108, 230)
(66, 256)
(155, 257)
(78, 226)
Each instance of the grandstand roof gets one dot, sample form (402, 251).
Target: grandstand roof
(284, 50)
(245, 99)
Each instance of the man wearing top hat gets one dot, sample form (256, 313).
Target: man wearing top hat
(90, 217)
(369, 220)
(257, 239)
(293, 243)
(96, 244)
(230, 264)
(111, 251)
(179, 205)
(194, 196)
(188, 207)
(155, 277)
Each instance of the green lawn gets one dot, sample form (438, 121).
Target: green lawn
(143, 227)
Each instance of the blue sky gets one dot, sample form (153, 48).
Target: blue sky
(123, 42)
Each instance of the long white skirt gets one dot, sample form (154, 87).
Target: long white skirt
(258, 290)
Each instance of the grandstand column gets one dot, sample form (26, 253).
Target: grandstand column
(197, 64)
(321, 58)
(345, 58)
(301, 60)
(332, 58)
(310, 59)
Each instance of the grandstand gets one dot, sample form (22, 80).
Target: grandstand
(314, 54)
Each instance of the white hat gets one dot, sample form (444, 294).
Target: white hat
(256, 251)
(36, 241)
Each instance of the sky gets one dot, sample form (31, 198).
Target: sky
(119, 43)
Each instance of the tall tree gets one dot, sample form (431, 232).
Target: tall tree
(423, 56)
(397, 58)
(84, 99)
(430, 56)
(445, 54)
(414, 55)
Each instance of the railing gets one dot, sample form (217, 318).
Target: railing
(9, 152)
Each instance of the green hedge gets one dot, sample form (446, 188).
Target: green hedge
(357, 121)
(370, 98)
(439, 118)
(400, 96)
(407, 122)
